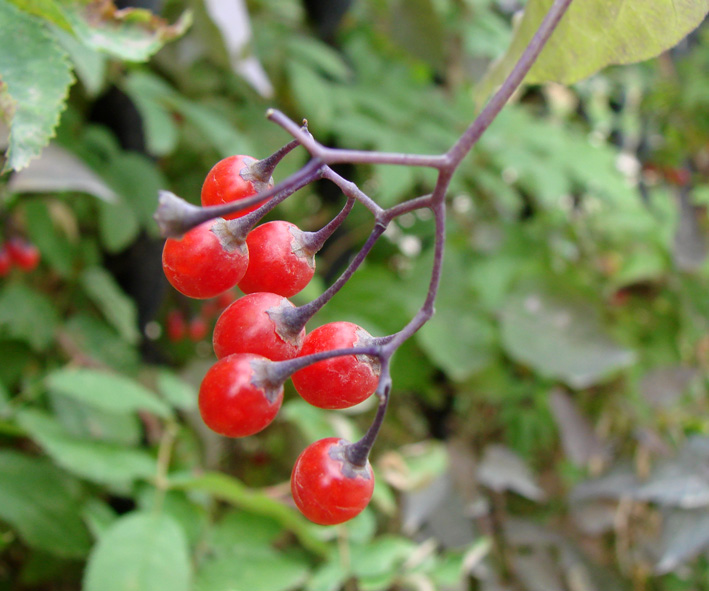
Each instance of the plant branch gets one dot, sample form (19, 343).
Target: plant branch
(511, 83)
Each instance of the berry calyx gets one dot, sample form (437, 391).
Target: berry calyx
(236, 398)
(327, 487)
(204, 262)
(338, 382)
(252, 324)
(279, 260)
(23, 253)
(234, 178)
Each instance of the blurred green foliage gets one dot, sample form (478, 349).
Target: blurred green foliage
(547, 425)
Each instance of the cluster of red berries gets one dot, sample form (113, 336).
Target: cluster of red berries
(19, 253)
(242, 392)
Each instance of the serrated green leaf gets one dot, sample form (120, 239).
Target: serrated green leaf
(115, 305)
(140, 552)
(36, 73)
(101, 462)
(107, 391)
(39, 501)
(594, 34)
(27, 315)
(560, 336)
(46, 9)
(132, 34)
(89, 65)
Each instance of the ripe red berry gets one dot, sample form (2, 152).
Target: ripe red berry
(338, 382)
(279, 262)
(200, 266)
(251, 325)
(5, 261)
(235, 398)
(175, 326)
(197, 329)
(328, 488)
(231, 180)
(23, 253)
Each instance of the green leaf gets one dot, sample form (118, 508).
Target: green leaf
(560, 336)
(95, 338)
(151, 97)
(107, 391)
(593, 35)
(267, 571)
(39, 501)
(115, 305)
(56, 249)
(140, 552)
(115, 237)
(228, 489)
(131, 34)
(27, 315)
(98, 461)
(46, 9)
(136, 178)
(240, 532)
(177, 391)
(89, 422)
(36, 74)
(89, 65)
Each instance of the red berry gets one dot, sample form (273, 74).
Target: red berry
(200, 266)
(5, 261)
(235, 399)
(279, 262)
(23, 253)
(338, 382)
(251, 325)
(175, 325)
(197, 329)
(328, 488)
(231, 180)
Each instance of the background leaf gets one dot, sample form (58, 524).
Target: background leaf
(140, 552)
(36, 72)
(595, 34)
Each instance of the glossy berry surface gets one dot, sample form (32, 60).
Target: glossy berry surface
(338, 382)
(233, 400)
(278, 261)
(250, 325)
(326, 487)
(225, 183)
(24, 254)
(199, 266)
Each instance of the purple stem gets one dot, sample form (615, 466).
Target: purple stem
(511, 83)
(336, 155)
(175, 216)
(297, 318)
(314, 241)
